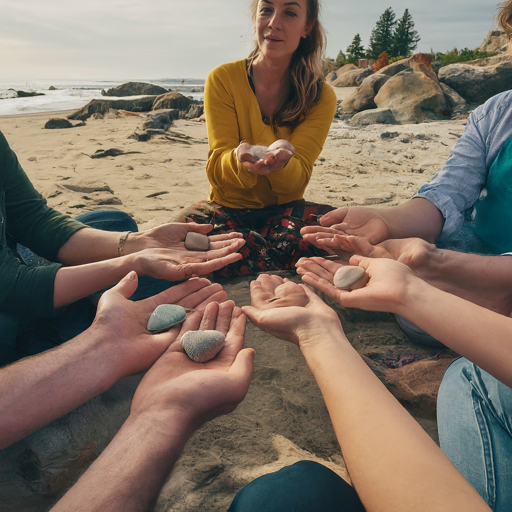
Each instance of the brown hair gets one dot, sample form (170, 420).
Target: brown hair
(504, 18)
(306, 73)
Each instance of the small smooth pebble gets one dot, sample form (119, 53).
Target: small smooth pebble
(165, 316)
(350, 278)
(259, 153)
(197, 242)
(201, 346)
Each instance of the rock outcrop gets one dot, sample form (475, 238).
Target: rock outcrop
(496, 41)
(352, 78)
(363, 98)
(413, 97)
(59, 123)
(135, 89)
(336, 73)
(373, 116)
(172, 99)
(477, 81)
(103, 107)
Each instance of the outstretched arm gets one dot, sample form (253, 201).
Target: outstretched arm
(174, 398)
(42, 388)
(480, 335)
(394, 465)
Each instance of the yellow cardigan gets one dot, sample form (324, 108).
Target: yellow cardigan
(233, 115)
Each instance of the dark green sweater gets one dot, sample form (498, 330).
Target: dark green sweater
(25, 218)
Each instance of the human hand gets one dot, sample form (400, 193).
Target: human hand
(360, 221)
(256, 159)
(297, 315)
(176, 264)
(198, 392)
(172, 236)
(122, 322)
(387, 289)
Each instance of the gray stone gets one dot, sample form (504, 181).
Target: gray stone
(57, 123)
(373, 116)
(135, 89)
(197, 242)
(454, 100)
(350, 278)
(194, 111)
(165, 316)
(172, 99)
(478, 81)
(201, 346)
(363, 98)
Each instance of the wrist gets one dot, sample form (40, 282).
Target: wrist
(134, 243)
(320, 336)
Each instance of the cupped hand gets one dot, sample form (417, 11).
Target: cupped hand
(122, 322)
(387, 289)
(289, 311)
(199, 392)
(179, 264)
(172, 236)
(274, 159)
(360, 221)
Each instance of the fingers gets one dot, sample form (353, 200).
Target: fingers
(334, 217)
(225, 316)
(264, 288)
(323, 285)
(359, 244)
(308, 266)
(209, 317)
(177, 293)
(242, 369)
(127, 286)
(197, 269)
(235, 334)
(201, 298)
(199, 228)
(314, 230)
(228, 247)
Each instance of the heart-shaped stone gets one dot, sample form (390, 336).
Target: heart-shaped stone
(201, 346)
(350, 278)
(165, 316)
(197, 242)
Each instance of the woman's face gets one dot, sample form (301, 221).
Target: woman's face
(280, 25)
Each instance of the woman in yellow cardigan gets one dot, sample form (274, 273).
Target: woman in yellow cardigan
(268, 117)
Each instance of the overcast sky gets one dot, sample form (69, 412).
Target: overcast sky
(122, 39)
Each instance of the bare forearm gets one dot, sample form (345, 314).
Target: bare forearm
(74, 283)
(89, 245)
(415, 218)
(42, 388)
(394, 464)
(482, 336)
(129, 473)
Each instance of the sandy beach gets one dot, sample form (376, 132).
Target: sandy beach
(283, 418)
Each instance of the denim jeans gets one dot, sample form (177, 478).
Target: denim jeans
(474, 414)
(302, 487)
(18, 339)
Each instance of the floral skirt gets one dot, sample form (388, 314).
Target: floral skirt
(272, 235)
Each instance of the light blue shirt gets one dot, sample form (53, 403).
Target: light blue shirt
(458, 185)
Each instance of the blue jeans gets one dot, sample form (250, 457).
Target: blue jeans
(474, 414)
(18, 340)
(302, 487)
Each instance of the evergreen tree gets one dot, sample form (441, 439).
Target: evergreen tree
(341, 59)
(405, 38)
(355, 51)
(381, 39)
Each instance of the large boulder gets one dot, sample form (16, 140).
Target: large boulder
(413, 97)
(135, 89)
(335, 73)
(352, 78)
(103, 107)
(194, 111)
(171, 100)
(363, 97)
(477, 81)
(455, 102)
(417, 62)
(373, 116)
(496, 41)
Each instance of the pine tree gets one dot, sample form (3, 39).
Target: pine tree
(355, 51)
(405, 38)
(381, 39)
(341, 59)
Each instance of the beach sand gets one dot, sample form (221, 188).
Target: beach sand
(283, 418)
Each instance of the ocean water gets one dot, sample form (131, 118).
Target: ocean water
(74, 94)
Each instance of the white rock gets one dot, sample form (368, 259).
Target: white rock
(350, 278)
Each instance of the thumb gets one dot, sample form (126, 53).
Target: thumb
(243, 368)
(313, 297)
(127, 286)
(199, 228)
(360, 261)
(334, 217)
(252, 313)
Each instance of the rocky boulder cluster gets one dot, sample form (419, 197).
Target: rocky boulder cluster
(410, 91)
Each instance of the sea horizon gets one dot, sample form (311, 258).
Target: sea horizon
(72, 94)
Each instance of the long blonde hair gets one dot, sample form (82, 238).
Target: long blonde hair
(306, 74)
(504, 20)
